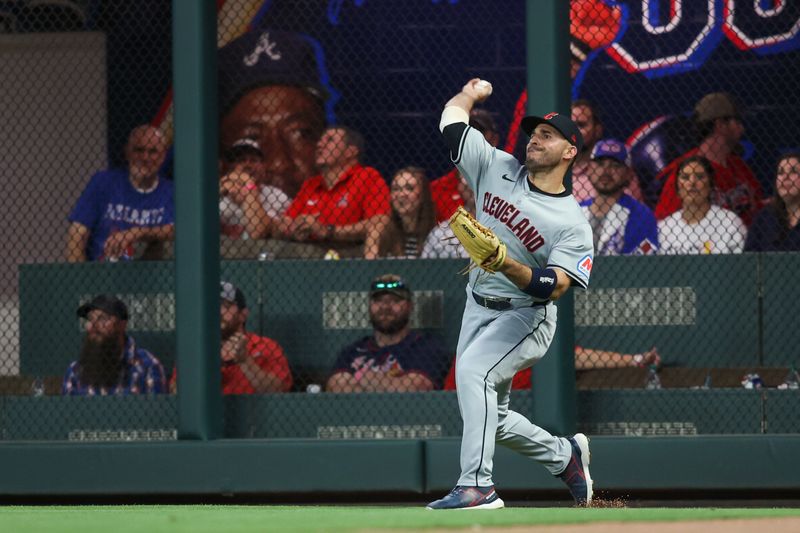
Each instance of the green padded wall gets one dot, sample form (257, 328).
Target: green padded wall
(781, 308)
(285, 299)
(50, 333)
(724, 331)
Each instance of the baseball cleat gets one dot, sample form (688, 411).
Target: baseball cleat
(576, 475)
(465, 498)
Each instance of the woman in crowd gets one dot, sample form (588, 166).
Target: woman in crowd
(699, 227)
(776, 228)
(413, 215)
(442, 242)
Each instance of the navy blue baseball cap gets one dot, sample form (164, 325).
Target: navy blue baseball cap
(266, 57)
(562, 123)
(107, 303)
(610, 149)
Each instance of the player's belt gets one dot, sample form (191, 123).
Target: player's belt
(499, 304)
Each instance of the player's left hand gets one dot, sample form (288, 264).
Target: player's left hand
(484, 247)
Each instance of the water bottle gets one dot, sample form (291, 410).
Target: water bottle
(791, 381)
(653, 381)
(706, 383)
(37, 387)
(752, 381)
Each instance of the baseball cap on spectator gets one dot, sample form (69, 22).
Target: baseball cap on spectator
(241, 147)
(716, 105)
(265, 57)
(562, 123)
(231, 293)
(610, 149)
(106, 303)
(390, 283)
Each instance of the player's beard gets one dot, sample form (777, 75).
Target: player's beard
(546, 162)
(100, 361)
(389, 325)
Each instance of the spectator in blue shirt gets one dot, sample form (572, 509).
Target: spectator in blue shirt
(620, 224)
(110, 363)
(122, 207)
(394, 358)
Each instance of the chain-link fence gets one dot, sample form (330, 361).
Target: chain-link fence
(686, 108)
(333, 176)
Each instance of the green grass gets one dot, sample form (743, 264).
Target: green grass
(234, 518)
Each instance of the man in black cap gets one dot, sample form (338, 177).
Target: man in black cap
(394, 358)
(247, 206)
(110, 363)
(251, 364)
(509, 320)
(271, 90)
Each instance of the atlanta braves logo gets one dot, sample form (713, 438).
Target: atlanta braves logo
(264, 46)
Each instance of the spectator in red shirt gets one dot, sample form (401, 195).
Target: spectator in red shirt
(450, 191)
(345, 204)
(251, 364)
(720, 127)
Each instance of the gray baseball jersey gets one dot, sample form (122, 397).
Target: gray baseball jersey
(540, 230)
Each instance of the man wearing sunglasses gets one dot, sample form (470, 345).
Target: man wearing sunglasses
(394, 358)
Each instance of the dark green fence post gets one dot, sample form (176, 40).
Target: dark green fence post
(197, 219)
(548, 76)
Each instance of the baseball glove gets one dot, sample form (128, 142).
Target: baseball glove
(482, 245)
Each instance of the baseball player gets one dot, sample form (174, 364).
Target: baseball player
(531, 242)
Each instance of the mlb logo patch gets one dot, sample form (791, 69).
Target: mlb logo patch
(585, 265)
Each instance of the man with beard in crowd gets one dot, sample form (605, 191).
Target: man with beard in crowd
(251, 364)
(720, 126)
(620, 224)
(110, 363)
(394, 358)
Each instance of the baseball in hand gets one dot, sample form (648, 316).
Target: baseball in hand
(483, 88)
